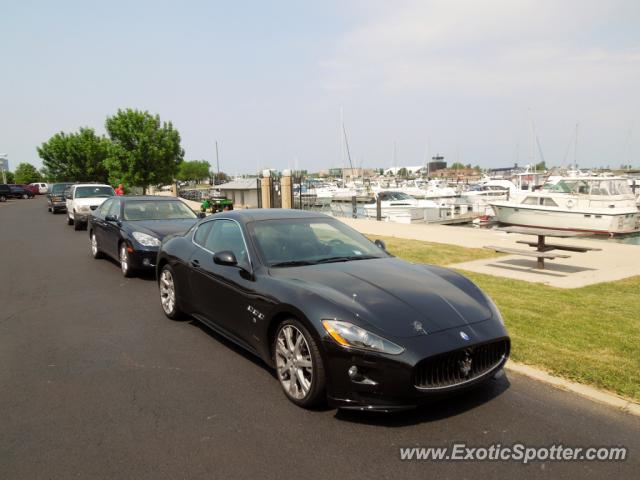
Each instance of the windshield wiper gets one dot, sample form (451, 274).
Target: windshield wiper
(293, 263)
(346, 258)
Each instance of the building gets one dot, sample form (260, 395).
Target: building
(242, 192)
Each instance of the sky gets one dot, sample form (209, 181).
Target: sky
(470, 80)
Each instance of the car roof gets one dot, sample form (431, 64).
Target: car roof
(91, 185)
(259, 214)
(148, 197)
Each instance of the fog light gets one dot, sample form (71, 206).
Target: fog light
(353, 371)
(146, 262)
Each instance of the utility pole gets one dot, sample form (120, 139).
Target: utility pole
(217, 163)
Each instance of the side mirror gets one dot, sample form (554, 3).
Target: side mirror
(225, 257)
(111, 218)
(380, 244)
(201, 215)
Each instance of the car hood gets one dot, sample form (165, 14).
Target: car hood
(90, 201)
(160, 228)
(393, 295)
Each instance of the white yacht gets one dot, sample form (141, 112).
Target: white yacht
(399, 207)
(590, 204)
(486, 191)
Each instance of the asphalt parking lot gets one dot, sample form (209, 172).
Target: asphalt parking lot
(95, 382)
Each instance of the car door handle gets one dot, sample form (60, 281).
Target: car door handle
(195, 263)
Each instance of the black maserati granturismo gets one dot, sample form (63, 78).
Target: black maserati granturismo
(130, 229)
(338, 317)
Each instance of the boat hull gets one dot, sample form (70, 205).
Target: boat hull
(624, 221)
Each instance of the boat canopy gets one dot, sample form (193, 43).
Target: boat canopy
(591, 186)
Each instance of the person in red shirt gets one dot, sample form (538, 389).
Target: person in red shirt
(120, 190)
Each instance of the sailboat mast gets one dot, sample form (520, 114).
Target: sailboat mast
(341, 136)
(575, 150)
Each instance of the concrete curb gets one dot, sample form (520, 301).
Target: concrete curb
(600, 396)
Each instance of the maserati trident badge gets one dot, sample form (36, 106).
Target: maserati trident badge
(464, 336)
(465, 365)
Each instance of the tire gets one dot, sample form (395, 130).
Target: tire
(25, 196)
(3, 198)
(125, 263)
(69, 220)
(95, 250)
(169, 294)
(292, 358)
(79, 225)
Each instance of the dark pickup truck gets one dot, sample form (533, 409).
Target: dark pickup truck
(5, 192)
(56, 201)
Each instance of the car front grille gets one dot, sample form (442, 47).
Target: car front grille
(459, 366)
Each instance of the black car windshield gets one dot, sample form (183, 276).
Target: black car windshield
(309, 241)
(59, 188)
(86, 192)
(157, 210)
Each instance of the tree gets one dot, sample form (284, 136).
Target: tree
(75, 157)
(403, 173)
(9, 175)
(457, 166)
(540, 167)
(193, 170)
(144, 151)
(219, 178)
(26, 173)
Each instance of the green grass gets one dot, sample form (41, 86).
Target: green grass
(590, 334)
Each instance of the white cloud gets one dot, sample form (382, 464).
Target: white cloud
(493, 47)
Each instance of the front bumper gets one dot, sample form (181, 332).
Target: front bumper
(82, 217)
(58, 205)
(387, 382)
(143, 258)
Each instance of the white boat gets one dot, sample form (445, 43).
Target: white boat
(399, 207)
(590, 204)
(481, 195)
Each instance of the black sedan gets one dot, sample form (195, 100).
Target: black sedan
(130, 229)
(337, 316)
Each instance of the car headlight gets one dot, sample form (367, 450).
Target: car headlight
(146, 240)
(349, 335)
(83, 208)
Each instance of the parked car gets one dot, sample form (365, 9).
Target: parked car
(56, 198)
(81, 198)
(19, 191)
(130, 229)
(5, 192)
(43, 188)
(30, 187)
(334, 314)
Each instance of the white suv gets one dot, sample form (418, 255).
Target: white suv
(82, 198)
(43, 188)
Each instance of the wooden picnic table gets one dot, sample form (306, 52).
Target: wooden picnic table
(543, 250)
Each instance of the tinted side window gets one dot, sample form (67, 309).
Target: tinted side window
(104, 208)
(227, 236)
(115, 208)
(201, 233)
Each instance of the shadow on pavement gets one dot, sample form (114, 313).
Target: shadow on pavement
(434, 410)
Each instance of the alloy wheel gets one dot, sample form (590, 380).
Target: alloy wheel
(124, 260)
(94, 245)
(294, 362)
(167, 292)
